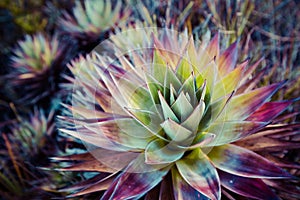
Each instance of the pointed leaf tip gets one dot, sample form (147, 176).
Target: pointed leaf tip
(243, 105)
(269, 111)
(228, 59)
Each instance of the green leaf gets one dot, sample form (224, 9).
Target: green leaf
(136, 96)
(175, 131)
(183, 69)
(154, 86)
(161, 152)
(210, 73)
(171, 78)
(173, 94)
(182, 107)
(189, 87)
(229, 83)
(199, 173)
(192, 55)
(150, 120)
(230, 131)
(167, 111)
(192, 122)
(159, 67)
(202, 139)
(125, 132)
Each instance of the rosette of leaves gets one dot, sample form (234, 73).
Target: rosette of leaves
(37, 62)
(91, 19)
(25, 148)
(173, 121)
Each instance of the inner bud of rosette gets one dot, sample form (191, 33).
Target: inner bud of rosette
(181, 109)
(171, 107)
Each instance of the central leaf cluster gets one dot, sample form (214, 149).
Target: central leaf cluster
(173, 106)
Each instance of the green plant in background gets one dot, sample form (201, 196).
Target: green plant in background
(170, 123)
(181, 15)
(162, 14)
(91, 19)
(27, 147)
(38, 62)
(25, 151)
(36, 54)
(231, 16)
(27, 14)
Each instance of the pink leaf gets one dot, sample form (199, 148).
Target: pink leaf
(213, 47)
(227, 60)
(241, 106)
(269, 111)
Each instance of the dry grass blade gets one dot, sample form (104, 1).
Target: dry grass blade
(12, 157)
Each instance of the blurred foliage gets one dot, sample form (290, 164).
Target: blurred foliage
(24, 150)
(27, 14)
(26, 147)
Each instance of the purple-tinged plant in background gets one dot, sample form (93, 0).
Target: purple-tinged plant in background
(38, 62)
(91, 19)
(27, 146)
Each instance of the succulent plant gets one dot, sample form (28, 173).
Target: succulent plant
(38, 62)
(171, 119)
(136, 35)
(25, 149)
(91, 19)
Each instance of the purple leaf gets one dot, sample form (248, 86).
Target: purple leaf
(136, 180)
(242, 162)
(100, 185)
(248, 187)
(166, 188)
